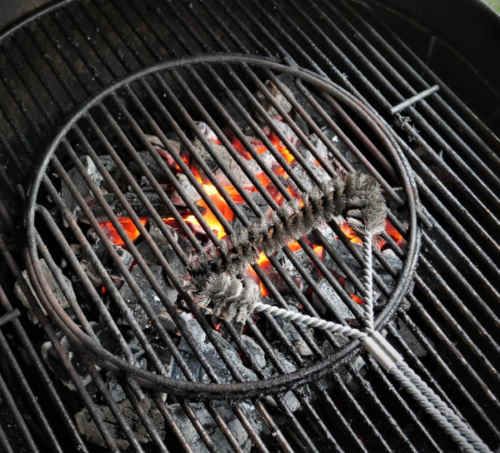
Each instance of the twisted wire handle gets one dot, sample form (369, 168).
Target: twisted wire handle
(429, 400)
(457, 428)
(369, 315)
(310, 321)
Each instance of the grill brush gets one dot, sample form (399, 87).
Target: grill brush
(361, 196)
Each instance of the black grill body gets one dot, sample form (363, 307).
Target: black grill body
(54, 63)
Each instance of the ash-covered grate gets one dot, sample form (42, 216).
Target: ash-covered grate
(150, 187)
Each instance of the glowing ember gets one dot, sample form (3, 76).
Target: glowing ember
(127, 224)
(350, 233)
(380, 242)
(253, 275)
(224, 210)
(394, 233)
(319, 250)
(357, 299)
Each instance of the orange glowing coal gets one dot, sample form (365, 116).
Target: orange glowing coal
(260, 148)
(129, 227)
(265, 264)
(225, 211)
(357, 299)
(350, 233)
(394, 233)
(380, 242)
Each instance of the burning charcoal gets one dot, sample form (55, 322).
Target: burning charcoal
(115, 389)
(320, 147)
(289, 398)
(256, 353)
(268, 370)
(164, 151)
(166, 250)
(278, 126)
(210, 426)
(224, 156)
(327, 233)
(95, 277)
(80, 184)
(88, 429)
(147, 158)
(159, 237)
(125, 256)
(277, 95)
(261, 204)
(208, 351)
(332, 299)
(112, 381)
(345, 151)
(313, 164)
(303, 262)
(140, 209)
(92, 273)
(135, 203)
(108, 163)
(188, 189)
(151, 297)
(394, 262)
(207, 132)
(319, 171)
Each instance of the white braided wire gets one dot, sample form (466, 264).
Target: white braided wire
(368, 280)
(310, 321)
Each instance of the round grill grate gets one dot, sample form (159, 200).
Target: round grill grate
(144, 193)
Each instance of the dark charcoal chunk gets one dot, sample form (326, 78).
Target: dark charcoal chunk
(88, 429)
(80, 184)
(151, 297)
(224, 410)
(210, 354)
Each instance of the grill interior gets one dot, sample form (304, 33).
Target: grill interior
(126, 249)
(54, 64)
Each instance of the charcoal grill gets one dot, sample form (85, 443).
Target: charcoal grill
(63, 58)
(280, 176)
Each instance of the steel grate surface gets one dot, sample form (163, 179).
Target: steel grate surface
(141, 255)
(449, 334)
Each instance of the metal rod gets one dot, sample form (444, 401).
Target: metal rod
(414, 99)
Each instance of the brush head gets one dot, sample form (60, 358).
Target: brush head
(230, 297)
(365, 206)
